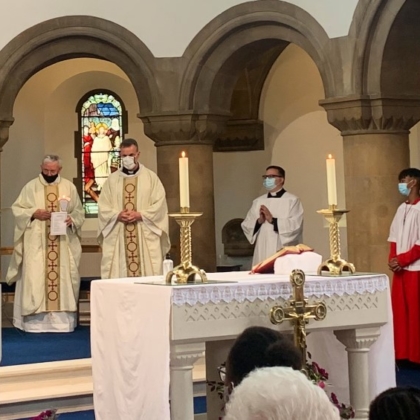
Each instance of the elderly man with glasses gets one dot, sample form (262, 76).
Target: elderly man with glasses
(275, 219)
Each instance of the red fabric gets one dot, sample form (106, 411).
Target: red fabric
(392, 251)
(409, 257)
(406, 308)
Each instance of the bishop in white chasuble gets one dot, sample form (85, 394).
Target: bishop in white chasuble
(45, 267)
(132, 246)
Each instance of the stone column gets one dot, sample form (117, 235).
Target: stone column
(183, 357)
(358, 343)
(4, 136)
(375, 138)
(194, 134)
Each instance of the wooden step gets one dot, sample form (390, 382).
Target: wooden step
(26, 390)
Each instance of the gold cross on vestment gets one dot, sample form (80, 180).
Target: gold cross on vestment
(298, 311)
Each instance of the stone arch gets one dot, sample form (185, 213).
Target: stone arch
(68, 37)
(387, 57)
(218, 53)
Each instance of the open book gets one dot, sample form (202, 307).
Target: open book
(267, 266)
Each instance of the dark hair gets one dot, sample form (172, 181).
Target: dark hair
(412, 172)
(396, 403)
(279, 169)
(128, 143)
(260, 347)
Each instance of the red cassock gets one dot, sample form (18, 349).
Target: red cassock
(405, 246)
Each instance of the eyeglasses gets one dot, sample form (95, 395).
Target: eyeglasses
(272, 176)
(222, 372)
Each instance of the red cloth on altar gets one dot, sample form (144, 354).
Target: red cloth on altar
(267, 266)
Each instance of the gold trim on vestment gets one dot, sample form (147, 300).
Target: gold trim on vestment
(131, 233)
(52, 254)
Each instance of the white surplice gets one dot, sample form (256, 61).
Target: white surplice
(153, 229)
(289, 213)
(28, 264)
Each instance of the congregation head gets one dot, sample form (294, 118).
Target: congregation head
(279, 393)
(396, 404)
(260, 347)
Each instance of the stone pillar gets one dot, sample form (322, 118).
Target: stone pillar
(183, 357)
(4, 136)
(375, 138)
(194, 134)
(358, 343)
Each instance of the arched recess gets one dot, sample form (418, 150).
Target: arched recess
(68, 37)
(240, 36)
(387, 56)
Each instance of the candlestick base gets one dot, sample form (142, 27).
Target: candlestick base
(335, 265)
(186, 272)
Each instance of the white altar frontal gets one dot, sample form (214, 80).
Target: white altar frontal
(146, 338)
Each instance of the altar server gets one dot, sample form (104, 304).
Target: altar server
(133, 219)
(404, 261)
(45, 266)
(275, 219)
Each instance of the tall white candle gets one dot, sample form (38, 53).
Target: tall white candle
(184, 186)
(331, 181)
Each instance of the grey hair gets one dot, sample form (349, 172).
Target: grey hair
(52, 158)
(279, 393)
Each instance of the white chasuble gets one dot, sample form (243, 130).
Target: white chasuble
(288, 211)
(44, 266)
(134, 249)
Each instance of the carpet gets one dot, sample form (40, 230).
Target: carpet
(22, 348)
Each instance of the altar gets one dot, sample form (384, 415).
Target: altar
(146, 337)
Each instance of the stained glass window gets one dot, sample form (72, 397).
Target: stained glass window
(101, 132)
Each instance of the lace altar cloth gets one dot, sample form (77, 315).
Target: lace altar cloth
(270, 286)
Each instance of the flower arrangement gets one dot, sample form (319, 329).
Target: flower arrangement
(46, 415)
(319, 377)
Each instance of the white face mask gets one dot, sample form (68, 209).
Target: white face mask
(128, 162)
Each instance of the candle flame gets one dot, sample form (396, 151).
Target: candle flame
(330, 156)
(183, 154)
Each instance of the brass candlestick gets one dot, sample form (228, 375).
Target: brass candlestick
(335, 264)
(185, 272)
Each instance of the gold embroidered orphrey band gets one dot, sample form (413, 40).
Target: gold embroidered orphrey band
(52, 260)
(131, 233)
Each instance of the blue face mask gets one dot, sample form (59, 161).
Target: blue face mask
(269, 183)
(403, 189)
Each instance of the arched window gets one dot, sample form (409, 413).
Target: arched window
(102, 124)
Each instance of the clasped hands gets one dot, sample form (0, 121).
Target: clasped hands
(265, 215)
(394, 265)
(45, 215)
(129, 216)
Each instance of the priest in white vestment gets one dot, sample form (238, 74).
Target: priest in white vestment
(275, 219)
(45, 267)
(133, 219)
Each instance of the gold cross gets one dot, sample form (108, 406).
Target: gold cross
(298, 311)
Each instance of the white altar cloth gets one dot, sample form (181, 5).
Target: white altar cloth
(130, 350)
(133, 325)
